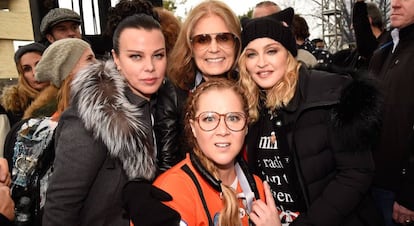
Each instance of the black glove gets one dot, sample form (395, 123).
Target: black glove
(143, 202)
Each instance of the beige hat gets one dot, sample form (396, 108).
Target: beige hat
(59, 59)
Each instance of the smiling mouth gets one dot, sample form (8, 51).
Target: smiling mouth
(264, 73)
(215, 60)
(222, 145)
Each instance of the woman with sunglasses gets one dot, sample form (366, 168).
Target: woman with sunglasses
(212, 185)
(207, 46)
(312, 134)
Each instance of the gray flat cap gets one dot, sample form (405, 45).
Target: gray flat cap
(57, 15)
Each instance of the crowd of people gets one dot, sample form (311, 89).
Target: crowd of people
(213, 120)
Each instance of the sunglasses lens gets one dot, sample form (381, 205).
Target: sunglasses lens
(225, 39)
(202, 41)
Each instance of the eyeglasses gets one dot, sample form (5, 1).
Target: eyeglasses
(209, 120)
(202, 41)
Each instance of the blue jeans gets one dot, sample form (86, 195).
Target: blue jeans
(384, 200)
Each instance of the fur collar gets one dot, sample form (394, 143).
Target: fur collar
(98, 94)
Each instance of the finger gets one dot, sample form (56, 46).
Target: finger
(5, 190)
(4, 170)
(270, 201)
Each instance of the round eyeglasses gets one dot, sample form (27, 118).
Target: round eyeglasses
(202, 41)
(209, 120)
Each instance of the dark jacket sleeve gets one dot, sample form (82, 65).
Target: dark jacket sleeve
(4, 221)
(77, 162)
(365, 39)
(167, 126)
(405, 196)
(354, 130)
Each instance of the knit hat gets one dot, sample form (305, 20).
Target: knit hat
(57, 15)
(156, 3)
(269, 27)
(59, 59)
(32, 47)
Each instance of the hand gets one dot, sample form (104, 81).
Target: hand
(5, 178)
(143, 201)
(402, 215)
(265, 213)
(6, 203)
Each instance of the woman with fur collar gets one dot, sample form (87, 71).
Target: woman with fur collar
(312, 133)
(105, 138)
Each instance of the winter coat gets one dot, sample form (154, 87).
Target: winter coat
(4, 128)
(188, 200)
(103, 140)
(330, 124)
(394, 155)
(169, 124)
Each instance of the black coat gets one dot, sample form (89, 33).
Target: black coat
(394, 156)
(332, 121)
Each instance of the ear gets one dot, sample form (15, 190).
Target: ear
(50, 38)
(116, 59)
(192, 124)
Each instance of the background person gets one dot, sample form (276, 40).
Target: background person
(265, 8)
(60, 23)
(17, 98)
(393, 155)
(29, 145)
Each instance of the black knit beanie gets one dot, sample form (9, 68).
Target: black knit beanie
(156, 3)
(32, 47)
(269, 27)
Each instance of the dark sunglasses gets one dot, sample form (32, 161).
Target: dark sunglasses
(202, 41)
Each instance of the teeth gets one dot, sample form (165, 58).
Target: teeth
(222, 145)
(264, 73)
(215, 60)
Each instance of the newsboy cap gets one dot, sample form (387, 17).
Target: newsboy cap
(57, 15)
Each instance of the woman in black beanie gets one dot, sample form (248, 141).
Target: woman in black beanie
(16, 98)
(312, 131)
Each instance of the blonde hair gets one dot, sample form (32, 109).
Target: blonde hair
(63, 95)
(182, 71)
(276, 97)
(230, 213)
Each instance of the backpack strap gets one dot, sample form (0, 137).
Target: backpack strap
(188, 171)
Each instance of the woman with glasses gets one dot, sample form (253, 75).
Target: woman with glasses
(312, 134)
(207, 46)
(212, 185)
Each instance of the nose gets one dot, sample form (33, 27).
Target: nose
(261, 62)
(213, 45)
(222, 127)
(149, 65)
(395, 3)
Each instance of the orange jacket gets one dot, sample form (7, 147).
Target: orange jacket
(186, 199)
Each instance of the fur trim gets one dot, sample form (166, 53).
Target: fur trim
(356, 119)
(98, 94)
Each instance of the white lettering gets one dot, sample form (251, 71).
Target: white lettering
(265, 143)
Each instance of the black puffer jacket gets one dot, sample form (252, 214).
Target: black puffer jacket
(332, 122)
